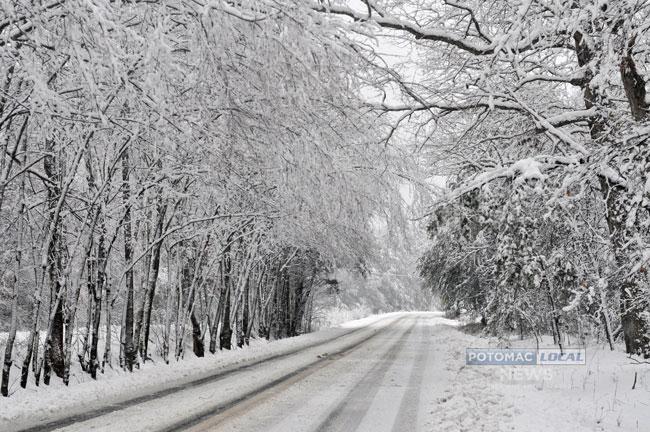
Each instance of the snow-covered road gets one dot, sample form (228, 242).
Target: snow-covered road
(392, 372)
(372, 386)
(377, 377)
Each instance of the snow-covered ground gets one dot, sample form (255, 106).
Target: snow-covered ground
(412, 377)
(597, 396)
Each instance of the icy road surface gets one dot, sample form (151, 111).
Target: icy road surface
(376, 378)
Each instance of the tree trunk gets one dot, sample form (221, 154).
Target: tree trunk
(31, 341)
(149, 297)
(633, 305)
(9, 280)
(55, 356)
(109, 332)
(555, 316)
(85, 349)
(179, 311)
(197, 336)
(168, 313)
(127, 333)
(56, 346)
(246, 316)
(96, 317)
(607, 325)
(45, 364)
(225, 335)
(36, 362)
(99, 294)
(154, 266)
(254, 309)
(214, 331)
(635, 309)
(634, 84)
(72, 310)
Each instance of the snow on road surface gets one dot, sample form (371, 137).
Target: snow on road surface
(32, 406)
(397, 372)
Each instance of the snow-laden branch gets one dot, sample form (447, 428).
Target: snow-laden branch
(241, 14)
(414, 29)
(18, 27)
(184, 225)
(529, 169)
(432, 34)
(576, 79)
(544, 124)
(548, 126)
(427, 106)
(571, 117)
(524, 169)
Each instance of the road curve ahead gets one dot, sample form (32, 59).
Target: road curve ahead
(376, 379)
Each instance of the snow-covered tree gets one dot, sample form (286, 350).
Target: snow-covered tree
(174, 168)
(571, 74)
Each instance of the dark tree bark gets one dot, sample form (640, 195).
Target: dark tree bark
(634, 302)
(245, 332)
(109, 332)
(634, 84)
(96, 293)
(190, 279)
(10, 282)
(225, 335)
(85, 350)
(302, 296)
(127, 333)
(154, 267)
(197, 337)
(214, 330)
(10, 279)
(54, 356)
(255, 307)
(56, 352)
(633, 305)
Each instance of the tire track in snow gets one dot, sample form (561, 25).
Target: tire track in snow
(407, 415)
(240, 406)
(350, 411)
(229, 371)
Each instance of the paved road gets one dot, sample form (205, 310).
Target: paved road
(376, 379)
